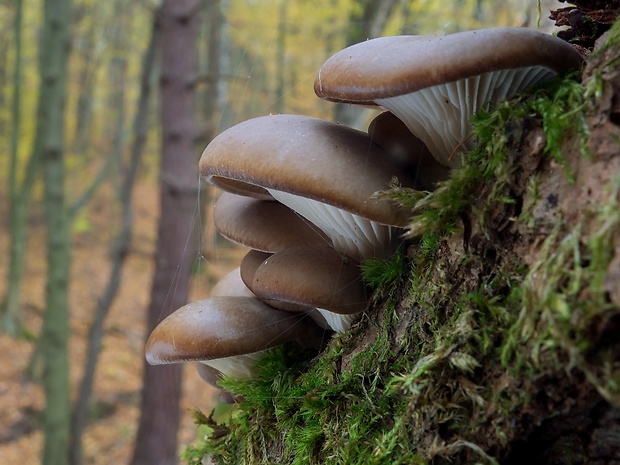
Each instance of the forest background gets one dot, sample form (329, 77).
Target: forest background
(94, 164)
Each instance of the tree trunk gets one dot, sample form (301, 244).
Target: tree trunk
(494, 338)
(19, 196)
(119, 254)
(53, 60)
(156, 442)
(212, 98)
(87, 80)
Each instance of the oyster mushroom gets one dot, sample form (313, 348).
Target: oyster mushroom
(326, 172)
(212, 377)
(231, 284)
(228, 333)
(390, 133)
(250, 264)
(317, 277)
(434, 84)
(263, 225)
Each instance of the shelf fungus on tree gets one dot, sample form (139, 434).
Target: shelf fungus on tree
(228, 333)
(435, 84)
(315, 277)
(326, 172)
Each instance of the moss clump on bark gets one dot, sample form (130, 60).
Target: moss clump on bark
(492, 336)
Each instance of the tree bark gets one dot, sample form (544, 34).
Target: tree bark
(212, 96)
(19, 196)
(156, 442)
(54, 53)
(87, 80)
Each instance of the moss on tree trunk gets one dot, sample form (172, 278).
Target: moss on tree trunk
(493, 336)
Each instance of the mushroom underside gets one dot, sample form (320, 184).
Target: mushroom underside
(351, 234)
(237, 366)
(440, 115)
(337, 321)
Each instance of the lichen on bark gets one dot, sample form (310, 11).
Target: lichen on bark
(492, 337)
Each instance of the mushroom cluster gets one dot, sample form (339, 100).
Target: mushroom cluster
(299, 191)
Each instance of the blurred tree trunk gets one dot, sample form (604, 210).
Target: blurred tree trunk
(87, 78)
(5, 45)
(119, 253)
(18, 197)
(368, 23)
(212, 109)
(156, 442)
(281, 70)
(117, 77)
(53, 58)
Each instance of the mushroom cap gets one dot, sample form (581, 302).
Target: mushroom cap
(307, 157)
(212, 377)
(249, 264)
(390, 66)
(209, 374)
(263, 225)
(435, 84)
(317, 277)
(231, 284)
(392, 134)
(221, 326)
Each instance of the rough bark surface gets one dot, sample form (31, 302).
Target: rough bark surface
(156, 442)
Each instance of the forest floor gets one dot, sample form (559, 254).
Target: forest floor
(115, 403)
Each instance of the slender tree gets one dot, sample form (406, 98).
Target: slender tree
(213, 110)
(53, 58)
(119, 253)
(156, 442)
(19, 195)
(86, 79)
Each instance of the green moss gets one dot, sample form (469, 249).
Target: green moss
(611, 43)
(560, 104)
(438, 369)
(384, 274)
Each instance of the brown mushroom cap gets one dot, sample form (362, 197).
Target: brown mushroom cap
(326, 172)
(220, 326)
(212, 376)
(435, 84)
(250, 263)
(310, 158)
(390, 133)
(231, 284)
(390, 66)
(263, 225)
(317, 277)
(209, 374)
